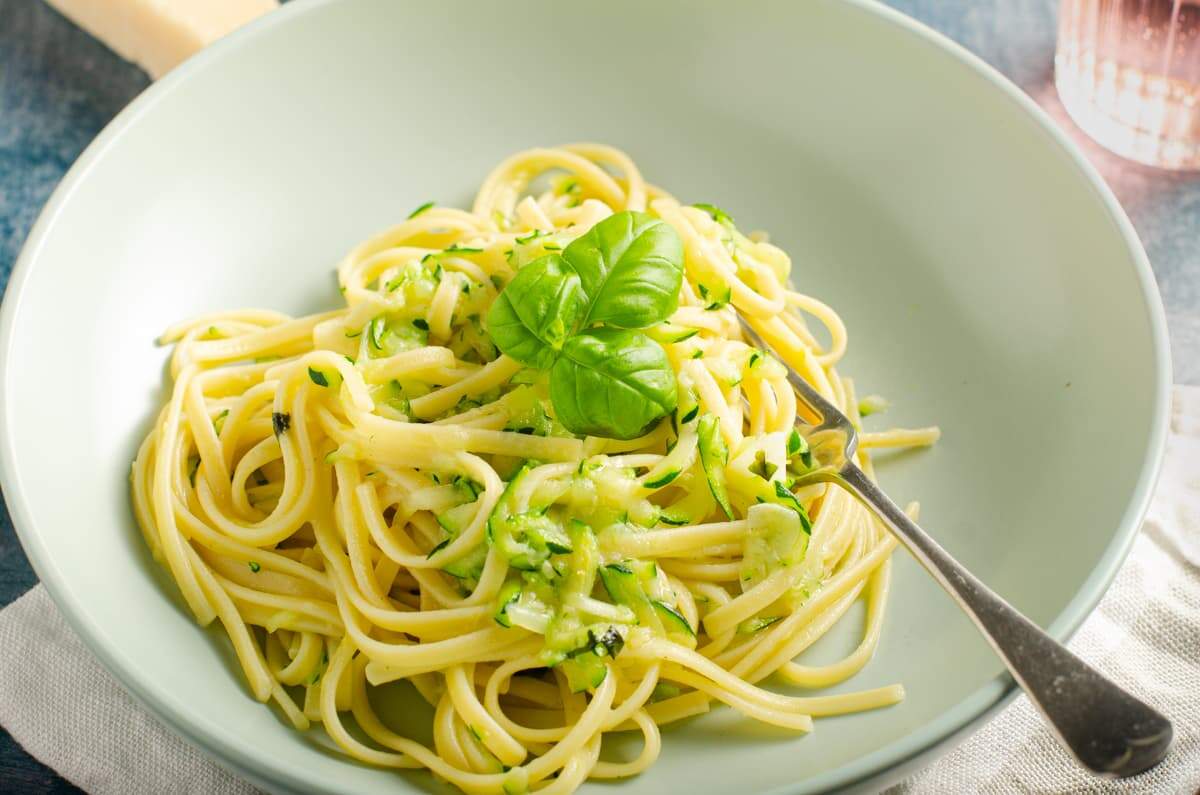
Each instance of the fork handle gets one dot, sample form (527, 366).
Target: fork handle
(1109, 731)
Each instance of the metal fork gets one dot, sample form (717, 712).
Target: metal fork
(1109, 731)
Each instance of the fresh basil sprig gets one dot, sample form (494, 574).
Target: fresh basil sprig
(576, 314)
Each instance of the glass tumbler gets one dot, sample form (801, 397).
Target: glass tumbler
(1128, 73)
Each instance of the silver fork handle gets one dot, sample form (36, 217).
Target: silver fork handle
(1109, 731)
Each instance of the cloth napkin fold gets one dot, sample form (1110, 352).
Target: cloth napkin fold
(60, 704)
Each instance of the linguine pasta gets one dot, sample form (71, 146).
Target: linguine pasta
(601, 532)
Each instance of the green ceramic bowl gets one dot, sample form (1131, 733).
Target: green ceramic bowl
(990, 282)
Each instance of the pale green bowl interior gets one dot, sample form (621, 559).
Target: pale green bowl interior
(989, 282)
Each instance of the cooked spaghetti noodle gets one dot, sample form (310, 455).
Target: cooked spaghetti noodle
(377, 493)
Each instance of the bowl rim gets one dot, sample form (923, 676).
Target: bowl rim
(896, 758)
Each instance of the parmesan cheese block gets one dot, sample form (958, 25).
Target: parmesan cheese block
(159, 34)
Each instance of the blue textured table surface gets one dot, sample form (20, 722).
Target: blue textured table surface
(58, 88)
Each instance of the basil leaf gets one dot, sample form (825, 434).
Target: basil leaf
(612, 382)
(537, 311)
(631, 266)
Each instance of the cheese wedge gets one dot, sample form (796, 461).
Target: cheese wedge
(158, 34)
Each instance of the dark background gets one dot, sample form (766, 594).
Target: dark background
(59, 87)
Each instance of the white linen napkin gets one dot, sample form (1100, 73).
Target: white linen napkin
(66, 710)
(60, 704)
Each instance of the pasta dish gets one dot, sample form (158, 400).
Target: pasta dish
(530, 469)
